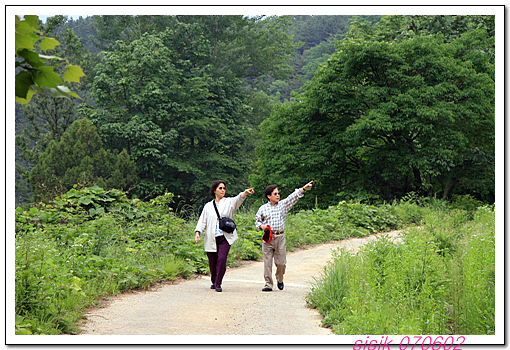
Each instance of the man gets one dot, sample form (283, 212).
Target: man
(274, 213)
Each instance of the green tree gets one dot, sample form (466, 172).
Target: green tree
(315, 38)
(108, 29)
(83, 29)
(79, 158)
(312, 30)
(251, 48)
(451, 27)
(182, 128)
(246, 47)
(317, 55)
(184, 101)
(388, 118)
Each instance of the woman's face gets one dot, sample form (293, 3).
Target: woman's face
(220, 190)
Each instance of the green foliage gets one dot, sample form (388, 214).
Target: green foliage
(93, 199)
(22, 326)
(438, 280)
(451, 27)
(312, 30)
(339, 222)
(331, 290)
(249, 244)
(466, 202)
(179, 94)
(181, 127)
(315, 37)
(317, 55)
(33, 75)
(91, 243)
(389, 118)
(47, 118)
(108, 29)
(79, 158)
(252, 48)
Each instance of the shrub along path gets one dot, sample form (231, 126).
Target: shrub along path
(192, 308)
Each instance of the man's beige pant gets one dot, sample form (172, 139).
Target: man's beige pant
(275, 249)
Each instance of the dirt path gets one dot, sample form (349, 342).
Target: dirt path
(191, 308)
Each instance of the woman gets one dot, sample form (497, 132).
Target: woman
(217, 242)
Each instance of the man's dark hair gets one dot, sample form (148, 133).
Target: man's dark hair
(215, 185)
(269, 190)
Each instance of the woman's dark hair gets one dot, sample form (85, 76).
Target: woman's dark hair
(215, 185)
(269, 190)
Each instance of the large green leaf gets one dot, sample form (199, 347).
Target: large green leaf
(31, 92)
(39, 76)
(31, 20)
(47, 77)
(23, 82)
(31, 58)
(24, 41)
(86, 200)
(25, 27)
(48, 44)
(73, 74)
(18, 319)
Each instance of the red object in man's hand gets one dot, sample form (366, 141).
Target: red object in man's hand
(268, 235)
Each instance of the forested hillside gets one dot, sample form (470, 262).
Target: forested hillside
(370, 107)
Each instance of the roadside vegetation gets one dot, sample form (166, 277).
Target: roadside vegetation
(92, 243)
(440, 279)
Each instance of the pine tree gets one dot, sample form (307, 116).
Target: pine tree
(79, 158)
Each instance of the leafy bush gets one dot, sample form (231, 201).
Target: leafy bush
(91, 243)
(339, 222)
(465, 202)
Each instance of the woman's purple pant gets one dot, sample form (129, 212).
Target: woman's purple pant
(218, 261)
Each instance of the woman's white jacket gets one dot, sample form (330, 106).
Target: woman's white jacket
(209, 221)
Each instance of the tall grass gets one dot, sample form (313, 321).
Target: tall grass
(438, 280)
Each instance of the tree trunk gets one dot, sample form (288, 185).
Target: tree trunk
(448, 185)
(429, 185)
(417, 177)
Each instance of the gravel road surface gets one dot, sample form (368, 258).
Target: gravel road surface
(190, 307)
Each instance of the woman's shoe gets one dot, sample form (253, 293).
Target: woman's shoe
(267, 289)
(218, 289)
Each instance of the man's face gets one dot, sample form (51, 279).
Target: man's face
(275, 196)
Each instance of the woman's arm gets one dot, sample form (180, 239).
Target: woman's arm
(247, 192)
(235, 202)
(201, 224)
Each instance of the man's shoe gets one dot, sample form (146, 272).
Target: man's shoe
(280, 285)
(267, 289)
(212, 286)
(218, 289)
